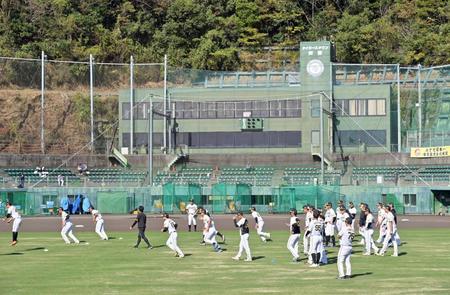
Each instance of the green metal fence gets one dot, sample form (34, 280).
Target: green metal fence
(221, 198)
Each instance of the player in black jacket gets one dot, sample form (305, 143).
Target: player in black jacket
(141, 221)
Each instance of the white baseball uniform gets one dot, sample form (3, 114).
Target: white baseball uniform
(345, 251)
(340, 219)
(99, 224)
(368, 233)
(315, 228)
(17, 218)
(306, 239)
(383, 224)
(260, 226)
(209, 230)
(353, 212)
(292, 243)
(390, 234)
(244, 233)
(67, 229)
(172, 241)
(329, 223)
(192, 211)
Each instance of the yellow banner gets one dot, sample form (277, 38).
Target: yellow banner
(430, 152)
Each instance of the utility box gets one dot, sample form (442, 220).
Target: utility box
(252, 124)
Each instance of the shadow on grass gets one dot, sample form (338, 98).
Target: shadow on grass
(158, 246)
(402, 253)
(13, 253)
(258, 257)
(187, 254)
(112, 238)
(361, 274)
(35, 249)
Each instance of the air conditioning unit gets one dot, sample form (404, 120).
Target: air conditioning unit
(252, 124)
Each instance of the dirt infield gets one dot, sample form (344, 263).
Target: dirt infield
(223, 222)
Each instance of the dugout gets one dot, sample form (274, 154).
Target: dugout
(230, 198)
(177, 196)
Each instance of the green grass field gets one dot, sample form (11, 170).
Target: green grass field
(114, 267)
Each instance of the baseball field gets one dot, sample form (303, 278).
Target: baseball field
(42, 264)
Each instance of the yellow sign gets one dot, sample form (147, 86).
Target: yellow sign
(430, 152)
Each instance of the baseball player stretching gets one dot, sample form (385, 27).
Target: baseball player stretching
(209, 231)
(368, 233)
(346, 236)
(241, 222)
(294, 228)
(11, 215)
(67, 226)
(314, 232)
(99, 223)
(308, 218)
(172, 242)
(391, 232)
(330, 219)
(191, 209)
(259, 225)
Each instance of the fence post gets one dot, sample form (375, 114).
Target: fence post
(42, 100)
(419, 105)
(131, 105)
(165, 105)
(399, 121)
(91, 94)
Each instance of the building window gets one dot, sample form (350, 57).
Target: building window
(141, 110)
(381, 107)
(315, 138)
(410, 200)
(357, 137)
(315, 108)
(125, 111)
(360, 107)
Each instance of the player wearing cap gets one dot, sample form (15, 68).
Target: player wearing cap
(294, 229)
(307, 210)
(209, 231)
(391, 231)
(244, 232)
(191, 209)
(314, 232)
(13, 215)
(259, 225)
(330, 220)
(368, 233)
(67, 226)
(346, 236)
(99, 223)
(141, 221)
(170, 226)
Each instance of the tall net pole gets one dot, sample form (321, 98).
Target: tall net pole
(91, 94)
(42, 100)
